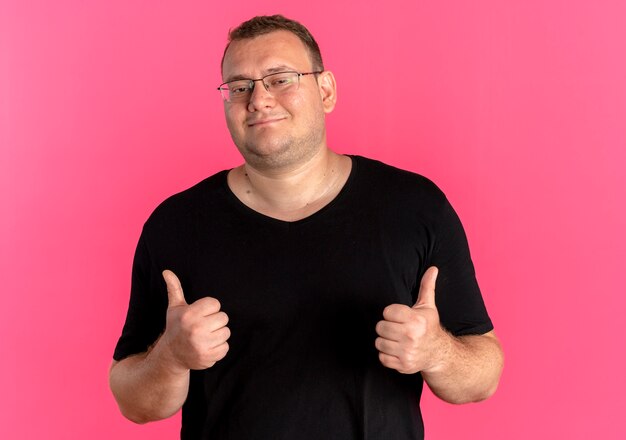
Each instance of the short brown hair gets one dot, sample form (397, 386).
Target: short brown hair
(264, 24)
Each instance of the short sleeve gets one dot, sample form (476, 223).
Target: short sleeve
(147, 308)
(459, 301)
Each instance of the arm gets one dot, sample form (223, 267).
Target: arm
(154, 385)
(468, 369)
(457, 369)
(149, 386)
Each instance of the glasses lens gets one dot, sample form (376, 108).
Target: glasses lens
(281, 82)
(236, 91)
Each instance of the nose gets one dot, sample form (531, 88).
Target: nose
(260, 97)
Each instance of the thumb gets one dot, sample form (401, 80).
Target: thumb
(426, 295)
(175, 294)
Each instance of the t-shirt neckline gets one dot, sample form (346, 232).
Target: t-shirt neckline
(242, 207)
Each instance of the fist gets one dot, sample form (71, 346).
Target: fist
(195, 334)
(410, 338)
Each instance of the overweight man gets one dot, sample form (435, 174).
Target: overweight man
(303, 294)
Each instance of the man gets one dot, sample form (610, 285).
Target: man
(293, 297)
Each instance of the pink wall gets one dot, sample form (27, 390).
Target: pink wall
(516, 108)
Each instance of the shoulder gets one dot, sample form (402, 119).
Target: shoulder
(188, 204)
(392, 183)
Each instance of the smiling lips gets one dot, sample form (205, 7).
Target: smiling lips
(262, 122)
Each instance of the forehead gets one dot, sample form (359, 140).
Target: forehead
(256, 56)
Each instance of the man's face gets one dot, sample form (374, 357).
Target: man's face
(281, 131)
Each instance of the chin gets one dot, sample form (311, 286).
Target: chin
(268, 147)
(278, 157)
(265, 152)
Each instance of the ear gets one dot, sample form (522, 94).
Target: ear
(328, 90)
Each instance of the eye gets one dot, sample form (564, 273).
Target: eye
(281, 80)
(239, 88)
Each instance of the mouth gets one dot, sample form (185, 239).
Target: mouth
(264, 122)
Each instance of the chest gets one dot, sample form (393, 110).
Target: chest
(266, 273)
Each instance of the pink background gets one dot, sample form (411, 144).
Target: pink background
(517, 109)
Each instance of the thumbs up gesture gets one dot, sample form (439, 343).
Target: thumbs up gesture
(411, 338)
(195, 334)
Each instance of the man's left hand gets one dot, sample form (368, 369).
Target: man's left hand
(411, 339)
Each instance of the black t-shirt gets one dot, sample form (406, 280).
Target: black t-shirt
(303, 300)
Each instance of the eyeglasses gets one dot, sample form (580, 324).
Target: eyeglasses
(240, 90)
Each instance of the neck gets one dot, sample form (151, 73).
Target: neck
(295, 192)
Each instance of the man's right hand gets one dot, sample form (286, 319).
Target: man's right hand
(195, 334)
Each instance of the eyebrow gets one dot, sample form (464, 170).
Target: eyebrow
(269, 71)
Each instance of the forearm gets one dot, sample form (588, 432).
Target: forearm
(468, 370)
(148, 386)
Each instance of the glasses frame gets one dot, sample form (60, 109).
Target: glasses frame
(252, 82)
